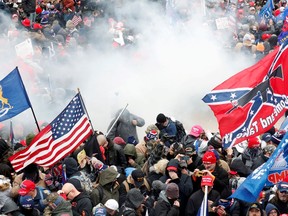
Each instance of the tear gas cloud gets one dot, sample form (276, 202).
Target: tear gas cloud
(169, 70)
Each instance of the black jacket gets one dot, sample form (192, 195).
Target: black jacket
(195, 201)
(164, 208)
(82, 203)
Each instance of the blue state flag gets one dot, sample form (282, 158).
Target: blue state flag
(269, 173)
(13, 96)
(266, 11)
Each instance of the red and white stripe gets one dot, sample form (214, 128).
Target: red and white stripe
(45, 151)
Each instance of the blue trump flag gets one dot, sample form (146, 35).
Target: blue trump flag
(266, 11)
(269, 173)
(13, 96)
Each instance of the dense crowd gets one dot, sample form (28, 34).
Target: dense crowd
(165, 172)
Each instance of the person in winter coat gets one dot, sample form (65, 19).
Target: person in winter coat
(81, 202)
(255, 210)
(57, 206)
(133, 205)
(29, 7)
(211, 167)
(280, 200)
(168, 130)
(271, 210)
(133, 160)
(195, 200)
(125, 126)
(168, 203)
(115, 155)
(72, 172)
(174, 175)
(107, 188)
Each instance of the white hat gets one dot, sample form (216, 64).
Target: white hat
(112, 204)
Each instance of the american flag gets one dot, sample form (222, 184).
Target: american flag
(58, 139)
(76, 20)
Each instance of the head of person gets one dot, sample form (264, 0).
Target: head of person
(173, 169)
(102, 141)
(135, 197)
(196, 131)
(162, 119)
(53, 200)
(31, 172)
(253, 143)
(277, 137)
(27, 187)
(208, 181)
(172, 192)
(111, 206)
(70, 191)
(271, 210)
(255, 210)
(209, 160)
(282, 191)
(138, 178)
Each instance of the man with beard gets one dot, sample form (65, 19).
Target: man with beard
(280, 200)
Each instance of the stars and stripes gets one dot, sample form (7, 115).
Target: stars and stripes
(58, 139)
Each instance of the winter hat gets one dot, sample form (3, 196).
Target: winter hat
(196, 130)
(101, 211)
(26, 22)
(132, 140)
(209, 157)
(265, 36)
(152, 135)
(135, 196)
(255, 206)
(71, 166)
(254, 142)
(173, 165)
(189, 149)
(207, 180)
(282, 187)
(138, 177)
(38, 10)
(271, 207)
(266, 137)
(112, 204)
(151, 127)
(25, 187)
(119, 141)
(247, 40)
(161, 118)
(158, 185)
(26, 202)
(215, 141)
(277, 137)
(172, 191)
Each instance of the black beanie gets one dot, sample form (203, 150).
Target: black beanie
(161, 118)
(71, 166)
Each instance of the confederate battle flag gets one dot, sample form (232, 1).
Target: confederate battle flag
(250, 102)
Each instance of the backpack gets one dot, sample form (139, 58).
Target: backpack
(85, 181)
(180, 130)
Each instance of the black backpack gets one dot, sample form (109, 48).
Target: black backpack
(180, 131)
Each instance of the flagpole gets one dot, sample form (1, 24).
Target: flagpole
(205, 200)
(83, 104)
(116, 119)
(29, 101)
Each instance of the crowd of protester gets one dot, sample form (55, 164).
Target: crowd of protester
(159, 174)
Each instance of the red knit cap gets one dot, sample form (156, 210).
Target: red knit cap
(209, 157)
(119, 141)
(253, 142)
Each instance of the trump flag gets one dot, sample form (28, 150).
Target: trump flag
(13, 96)
(58, 139)
(251, 102)
(268, 174)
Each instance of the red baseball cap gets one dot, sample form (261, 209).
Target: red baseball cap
(207, 180)
(25, 187)
(209, 157)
